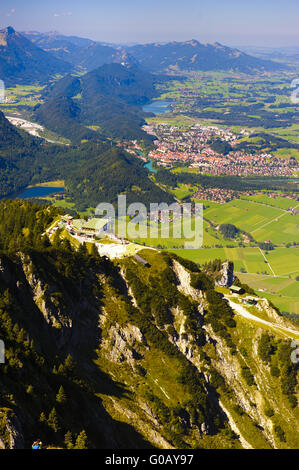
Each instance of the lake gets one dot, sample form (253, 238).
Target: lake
(158, 106)
(37, 191)
(149, 166)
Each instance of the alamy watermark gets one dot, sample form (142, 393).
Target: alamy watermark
(2, 91)
(183, 222)
(2, 352)
(295, 353)
(295, 92)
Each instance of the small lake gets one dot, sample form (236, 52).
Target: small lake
(149, 166)
(37, 191)
(158, 106)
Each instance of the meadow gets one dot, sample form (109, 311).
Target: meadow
(249, 259)
(282, 288)
(246, 215)
(277, 201)
(281, 291)
(260, 218)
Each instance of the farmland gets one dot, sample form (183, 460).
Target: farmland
(234, 100)
(21, 96)
(283, 261)
(246, 259)
(282, 288)
(261, 219)
(279, 202)
(282, 291)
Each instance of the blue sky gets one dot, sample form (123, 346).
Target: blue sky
(231, 22)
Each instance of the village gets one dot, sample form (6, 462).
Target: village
(194, 147)
(222, 195)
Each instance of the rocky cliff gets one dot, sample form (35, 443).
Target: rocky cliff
(146, 357)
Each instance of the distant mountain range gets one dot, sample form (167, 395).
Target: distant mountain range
(192, 56)
(32, 57)
(173, 56)
(21, 61)
(80, 52)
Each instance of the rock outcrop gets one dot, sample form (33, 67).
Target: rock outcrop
(225, 277)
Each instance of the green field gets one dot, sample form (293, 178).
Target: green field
(283, 292)
(259, 218)
(282, 289)
(183, 190)
(245, 215)
(284, 261)
(264, 217)
(290, 133)
(283, 229)
(287, 153)
(278, 201)
(250, 260)
(23, 95)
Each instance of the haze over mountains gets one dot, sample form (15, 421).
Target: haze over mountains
(21, 61)
(38, 56)
(188, 55)
(192, 55)
(79, 52)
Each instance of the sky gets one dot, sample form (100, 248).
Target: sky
(231, 22)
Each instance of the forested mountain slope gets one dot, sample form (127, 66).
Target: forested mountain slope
(108, 98)
(119, 355)
(79, 52)
(21, 61)
(93, 171)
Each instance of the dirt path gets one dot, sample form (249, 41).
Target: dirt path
(288, 332)
(272, 220)
(263, 255)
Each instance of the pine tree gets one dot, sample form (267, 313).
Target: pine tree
(66, 245)
(81, 441)
(94, 251)
(53, 420)
(61, 396)
(68, 440)
(82, 250)
(56, 239)
(69, 365)
(42, 418)
(45, 242)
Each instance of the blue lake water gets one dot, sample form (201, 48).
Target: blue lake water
(157, 106)
(149, 166)
(38, 191)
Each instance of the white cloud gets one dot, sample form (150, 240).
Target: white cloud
(69, 13)
(11, 12)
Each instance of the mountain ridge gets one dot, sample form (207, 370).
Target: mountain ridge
(192, 55)
(110, 96)
(137, 357)
(156, 56)
(21, 61)
(93, 171)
